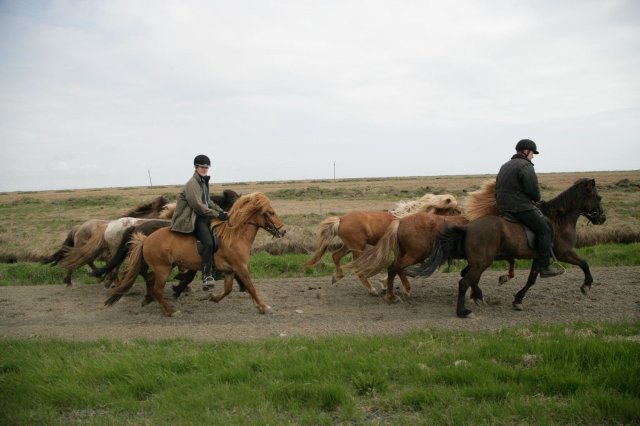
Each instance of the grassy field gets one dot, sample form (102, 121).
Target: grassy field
(579, 374)
(35, 223)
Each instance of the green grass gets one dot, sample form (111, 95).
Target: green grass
(264, 265)
(569, 374)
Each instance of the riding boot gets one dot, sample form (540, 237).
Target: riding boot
(546, 270)
(207, 276)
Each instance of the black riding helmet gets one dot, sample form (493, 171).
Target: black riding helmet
(202, 160)
(527, 144)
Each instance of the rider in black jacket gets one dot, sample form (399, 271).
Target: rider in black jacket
(517, 192)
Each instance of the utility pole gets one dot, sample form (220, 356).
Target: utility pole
(149, 173)
(334, 171)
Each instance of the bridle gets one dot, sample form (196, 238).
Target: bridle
(270, 226)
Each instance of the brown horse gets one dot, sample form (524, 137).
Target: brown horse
(82, 233)
(163, 249)
(358, 228)
(410, 239)
(490, 238)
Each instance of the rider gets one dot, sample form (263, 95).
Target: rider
(517, 193)
(194, 210)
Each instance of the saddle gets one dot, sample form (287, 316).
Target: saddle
(216, 243)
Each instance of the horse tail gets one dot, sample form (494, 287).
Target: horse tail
(378, 257)
(482, 202)
(76, 257)
(62, 251)
(327, 231)
(119, 256)
(448, 245)
(136, 260)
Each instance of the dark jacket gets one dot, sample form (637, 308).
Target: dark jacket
(517, 185)
(193, 201)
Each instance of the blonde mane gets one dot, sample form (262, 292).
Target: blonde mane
(426, 203)
(240, 213)
(481, 202)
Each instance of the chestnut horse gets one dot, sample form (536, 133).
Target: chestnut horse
(358, 228)
(410, 239)
(81, 234)
(163, 249)
(490, 238)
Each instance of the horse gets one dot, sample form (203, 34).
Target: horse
(491, 237)
(411, 240)
(163, 249)
(224, 201)
(358, 228)
(80, 234)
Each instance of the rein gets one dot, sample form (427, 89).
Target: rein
(270, 228)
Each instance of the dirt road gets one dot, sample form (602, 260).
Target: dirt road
(314, 307)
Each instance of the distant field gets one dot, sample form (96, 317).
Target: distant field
(35, 223)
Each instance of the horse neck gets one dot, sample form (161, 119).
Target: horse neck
(562, 209)
(240, 232)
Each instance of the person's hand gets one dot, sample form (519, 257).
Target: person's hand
(223, 216)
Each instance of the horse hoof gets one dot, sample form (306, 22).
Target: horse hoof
(373, 292)
(585, 290)
(264, 310)
(394, 299)
(334, 280)
(173, 314)
(479, 302)
(465, 314)
(518, 306)
(503, 279)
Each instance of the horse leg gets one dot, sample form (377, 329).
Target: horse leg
(390, 296)
(337, 256)
(572, 258)
(161, 274)
(365, 282)
(519, 297)
(67, 277)
(185, 279)
(243, 273)
(509, 275)
(470, 279)
(111, 277)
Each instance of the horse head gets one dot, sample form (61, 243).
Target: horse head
(255, 209)
(591, 202)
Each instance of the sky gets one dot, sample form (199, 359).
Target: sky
(119, 93)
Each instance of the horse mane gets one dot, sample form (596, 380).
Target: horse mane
(481, 202)
(168, 211)
(426, 203)
(240, 213)
(155, 206)
(567, 200)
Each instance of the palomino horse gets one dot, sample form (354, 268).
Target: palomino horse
(224, 201)
(490, 238)
(80, 234)
(358, 228)
(411, 240)
(163, 249)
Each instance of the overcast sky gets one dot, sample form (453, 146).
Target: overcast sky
(106, 93)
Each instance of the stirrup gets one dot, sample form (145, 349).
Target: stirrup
(208, 283)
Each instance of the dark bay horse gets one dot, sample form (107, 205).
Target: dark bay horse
(490, 238)
(359, 228)
(164, 249)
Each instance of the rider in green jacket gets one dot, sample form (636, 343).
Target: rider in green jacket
(194, 211)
